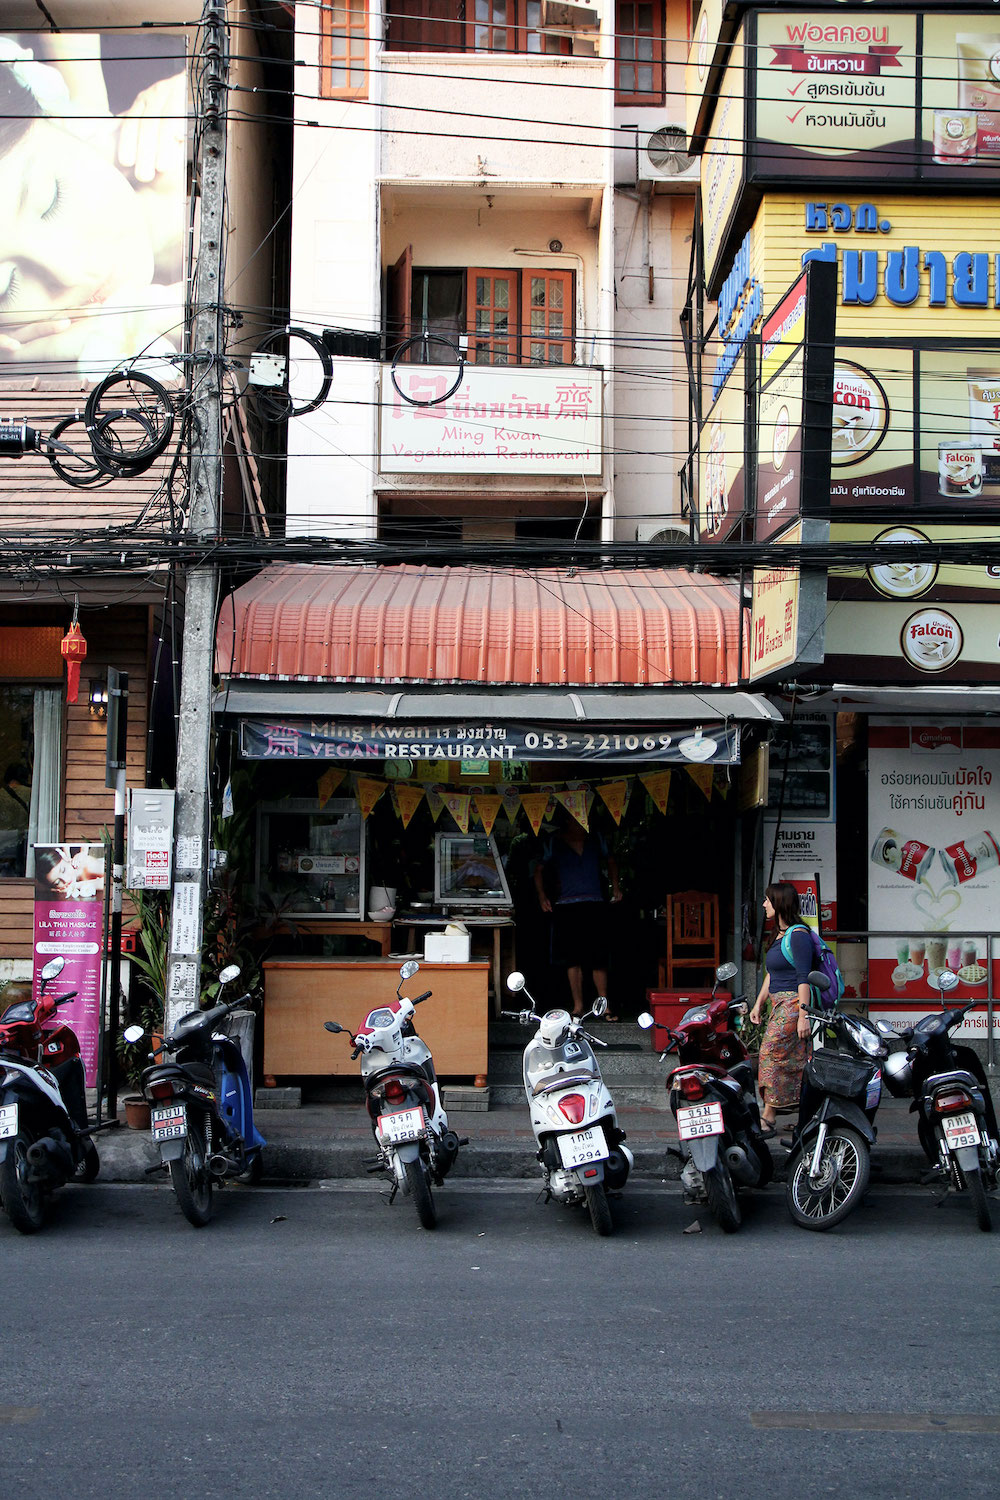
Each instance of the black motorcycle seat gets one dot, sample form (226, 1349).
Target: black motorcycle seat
(743, 1073)
(196, 1072)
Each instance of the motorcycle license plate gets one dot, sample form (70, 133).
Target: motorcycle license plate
(961, 1130)
(169, 1123)
(582, 1147)
(8, 1122)
(694, 1120)
(402, 1125)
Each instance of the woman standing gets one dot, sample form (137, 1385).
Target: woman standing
(784, 1049)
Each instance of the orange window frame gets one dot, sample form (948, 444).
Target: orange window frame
(627, 28)
(546, 324)
(485, 315)
(343, 50)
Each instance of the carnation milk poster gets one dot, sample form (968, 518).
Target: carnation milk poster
(934, 865)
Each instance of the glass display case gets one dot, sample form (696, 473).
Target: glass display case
(311, 859)
(468, 871)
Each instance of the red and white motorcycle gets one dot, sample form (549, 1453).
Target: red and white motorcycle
(408, 1119)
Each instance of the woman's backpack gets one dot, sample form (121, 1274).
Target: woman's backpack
(823, 959)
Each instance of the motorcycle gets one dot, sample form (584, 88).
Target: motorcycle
(44, 1133)
(830, 1161)
(409, 1122)
(714, 1101)
(581, 1148)
(956, 1121)
(201, 1107)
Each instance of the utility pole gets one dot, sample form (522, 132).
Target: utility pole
(191, 830)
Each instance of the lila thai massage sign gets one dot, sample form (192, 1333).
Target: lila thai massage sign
(69, 908)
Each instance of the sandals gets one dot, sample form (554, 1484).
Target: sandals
(768, 1129)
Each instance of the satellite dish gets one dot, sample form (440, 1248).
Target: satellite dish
(665, 149)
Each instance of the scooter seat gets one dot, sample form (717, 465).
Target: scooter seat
(743, 1073)
(196, 1072)
(561, 1081)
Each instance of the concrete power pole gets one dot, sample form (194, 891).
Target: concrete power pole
(191, 830)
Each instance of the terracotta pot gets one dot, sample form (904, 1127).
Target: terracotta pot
(136, 1112)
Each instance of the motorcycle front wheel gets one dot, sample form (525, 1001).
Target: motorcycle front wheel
(23, 1201)
(419, 1185)
(191, 1179)
(839, 1186)
(722, 1199)
(980, 1205)
(600, 1208)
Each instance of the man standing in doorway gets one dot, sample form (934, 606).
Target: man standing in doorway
(568, 882)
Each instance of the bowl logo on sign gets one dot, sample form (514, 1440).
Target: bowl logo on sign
(931, 640)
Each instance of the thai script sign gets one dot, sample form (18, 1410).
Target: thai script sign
(501, 420)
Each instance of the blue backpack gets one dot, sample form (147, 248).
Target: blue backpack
(822, 959)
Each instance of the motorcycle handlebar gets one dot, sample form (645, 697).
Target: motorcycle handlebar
(64, 999)
(355, 1053)
(419, 999)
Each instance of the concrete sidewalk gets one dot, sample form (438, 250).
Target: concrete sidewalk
(334, 1140)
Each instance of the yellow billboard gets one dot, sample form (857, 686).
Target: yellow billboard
(724, 159)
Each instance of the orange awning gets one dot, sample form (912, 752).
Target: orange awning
(411, 624)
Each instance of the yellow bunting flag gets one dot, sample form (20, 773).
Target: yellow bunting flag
(615, 797)
(368, 793)
(408, 799)
(435, 802)
(458, 804)
(328, 784)
(575, 803)
(432, 770)
(535, 805)
(657, 784)
(511, 799)
(702, 777)
(487, 806)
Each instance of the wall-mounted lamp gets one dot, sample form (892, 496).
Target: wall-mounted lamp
(98, 700)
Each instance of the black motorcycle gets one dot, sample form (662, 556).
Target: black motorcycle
(830, 1161)
(956, 1121)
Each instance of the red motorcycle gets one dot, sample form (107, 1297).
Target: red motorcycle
(44, 1132)
(714, 1101)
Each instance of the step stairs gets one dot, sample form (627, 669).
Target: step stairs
(630, 1068)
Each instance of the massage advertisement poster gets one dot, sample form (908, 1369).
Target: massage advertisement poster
(69, 913)
(934, 865)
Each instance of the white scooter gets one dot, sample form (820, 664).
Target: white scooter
(581, 1147)
(411, 1130)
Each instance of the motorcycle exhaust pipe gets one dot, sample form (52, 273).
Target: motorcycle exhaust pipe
(218, 1164)
(740, 1165)
(48, 1159)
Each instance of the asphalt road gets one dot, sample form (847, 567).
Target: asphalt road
(314, 1342)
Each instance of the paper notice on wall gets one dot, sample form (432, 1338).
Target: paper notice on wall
(183, 982)
(185, 918)
(189, 852)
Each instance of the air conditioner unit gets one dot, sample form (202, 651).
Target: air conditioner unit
(673, 532)
(661, 156)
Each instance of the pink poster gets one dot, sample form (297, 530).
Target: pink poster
(69, 911)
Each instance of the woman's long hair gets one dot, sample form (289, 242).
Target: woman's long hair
(785, 899)
(18, 108)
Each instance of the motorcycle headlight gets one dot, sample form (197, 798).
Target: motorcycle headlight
(863, 1036)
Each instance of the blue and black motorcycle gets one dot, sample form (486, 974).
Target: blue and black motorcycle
(202, 1106)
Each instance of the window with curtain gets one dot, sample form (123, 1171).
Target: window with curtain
(508, 316)
(30, 766)
(639, 67)
(343, 50)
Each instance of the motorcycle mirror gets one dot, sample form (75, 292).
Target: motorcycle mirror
(726, 971)
(133, 1034)
(52, 969)
(645, 1021)
(599, 1006)
(884, 1029)
(409, 969)
(818, 980)
(946, 981)
(229, 973)
(332, 1026)
(515, 982)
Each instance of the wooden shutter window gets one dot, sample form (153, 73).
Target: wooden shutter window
(491, 317)
(343, 50)
(639, 70)
(547, 318)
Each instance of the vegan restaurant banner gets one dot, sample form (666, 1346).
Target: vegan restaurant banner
(366, 740)
(934, 864)
(69, 908)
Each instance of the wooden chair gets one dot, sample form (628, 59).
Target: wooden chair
(692, 937)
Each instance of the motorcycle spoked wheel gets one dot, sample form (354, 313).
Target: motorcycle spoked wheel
(722, 1199)
(599, 1208)
(418, 1183)
(190, 1178)
(23, 1201)
(980, 1205)
(842, 1182)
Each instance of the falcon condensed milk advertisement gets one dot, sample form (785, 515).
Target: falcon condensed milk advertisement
(934, 864)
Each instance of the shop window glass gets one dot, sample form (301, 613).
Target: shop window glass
(30, 763)
(507, 317)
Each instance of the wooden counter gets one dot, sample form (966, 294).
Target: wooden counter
(301, 993)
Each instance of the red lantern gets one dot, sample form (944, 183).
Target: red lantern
(74, 649)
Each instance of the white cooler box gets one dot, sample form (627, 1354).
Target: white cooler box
(446, 948)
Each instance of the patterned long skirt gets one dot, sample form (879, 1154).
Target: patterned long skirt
(783, 1053)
